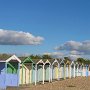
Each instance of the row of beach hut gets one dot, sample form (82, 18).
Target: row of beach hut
(16, 71)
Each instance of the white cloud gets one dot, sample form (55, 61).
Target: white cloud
(76, 53)
(76, 47)
(73, 57)
(10, 37)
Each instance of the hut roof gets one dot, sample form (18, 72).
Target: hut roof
(72, 62)
(36, 60)
(43, 60)
(7, 58)
(62, 61)
(51, 60)
(26, 60)
(46, 61)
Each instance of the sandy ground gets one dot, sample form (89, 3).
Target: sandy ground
(78, 83)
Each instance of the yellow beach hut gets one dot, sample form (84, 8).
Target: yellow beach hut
(68, 68)
(62, 69)
(26, 70)
(55, 69)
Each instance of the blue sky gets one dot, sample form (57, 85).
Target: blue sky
(57, 21)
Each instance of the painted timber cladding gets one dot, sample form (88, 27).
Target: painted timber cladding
(47, 73)
(47, 69)
(67, 71)
(60, 72)
(7, 78)
(26, 74)
(40, 73)
(56, 72)
(9, 72)
(2, 75)
(27, 71)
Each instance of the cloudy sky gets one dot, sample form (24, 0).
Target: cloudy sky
(57, 27)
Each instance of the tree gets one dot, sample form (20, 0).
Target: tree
(67, 60)
(35, 56)
(46, 57)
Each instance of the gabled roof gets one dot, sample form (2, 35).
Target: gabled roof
(55, 61)
(40, 61)
(72, 63)
(47, 61)
(36, 60)
(62, 61)
(26, 60)
(13, 58)
(51, 60)
(8, 58)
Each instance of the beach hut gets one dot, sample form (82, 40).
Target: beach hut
(55, 69)
(80, 69)
(39, 71)
(47, 67)
(62, 69)
(72, 71)
(84, 70)
(87, 70)
(9, 71)
(27, 70)
(68, 68)
(77, 69)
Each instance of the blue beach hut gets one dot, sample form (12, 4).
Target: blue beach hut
(47, 67)
(39, 71)
(87, 70)
(9, 71)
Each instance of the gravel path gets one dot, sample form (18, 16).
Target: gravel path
(79, 83)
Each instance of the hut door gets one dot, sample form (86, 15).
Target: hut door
(72, 71)
(40, 73)
(47, 72)
(28, 74)
(67, 69)
(56, 72)
(60, 72)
